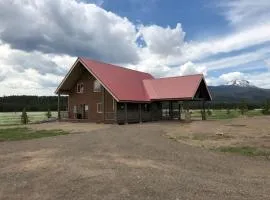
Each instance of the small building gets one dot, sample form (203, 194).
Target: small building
(100, 92)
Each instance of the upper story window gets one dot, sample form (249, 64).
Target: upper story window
(79, 87)
(97, 86)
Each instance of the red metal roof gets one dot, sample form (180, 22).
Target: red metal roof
(130, 85)
(125, 84)
(181, 87)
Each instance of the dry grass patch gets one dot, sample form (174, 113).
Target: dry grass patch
(246, 136)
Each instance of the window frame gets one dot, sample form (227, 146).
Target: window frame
(75, 110)
(99, 104)
(80, 88)
(94, 86)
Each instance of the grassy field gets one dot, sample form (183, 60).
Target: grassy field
(24, 133)
(12, 118)
(224, 114)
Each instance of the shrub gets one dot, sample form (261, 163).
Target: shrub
(243, 107)
(266, 108)
(48, 114)
(24, 117)
(209, 112)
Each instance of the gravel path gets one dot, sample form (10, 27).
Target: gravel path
(126, 162)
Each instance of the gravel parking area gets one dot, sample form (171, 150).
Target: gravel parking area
(126, 162)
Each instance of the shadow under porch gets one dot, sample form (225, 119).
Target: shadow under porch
(156, 111)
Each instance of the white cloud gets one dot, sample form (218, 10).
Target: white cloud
(35, 60)
(232, 76)
(68, 27)
(233, 61)
(259, 79)
(191, 68)
(246, 12)
(29, 82)
(237, 41)
(30, 73)
(163, 41)
(267, 62)
(166, 46)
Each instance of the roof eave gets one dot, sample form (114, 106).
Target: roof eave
(64, 79)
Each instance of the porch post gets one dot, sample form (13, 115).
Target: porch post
(58, 106)
(170, 109)
(140, 113)
(203, 110)
(115, 111)
(126, 115)
(103, 103)
(179, 111)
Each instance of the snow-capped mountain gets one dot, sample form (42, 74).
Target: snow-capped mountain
(240, 83)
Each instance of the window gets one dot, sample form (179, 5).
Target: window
(79, 87)
(75, 109)
(97, 86)
(99, 107)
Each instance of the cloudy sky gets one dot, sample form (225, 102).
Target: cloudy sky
(225, 40)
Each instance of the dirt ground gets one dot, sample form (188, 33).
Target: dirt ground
(130, 162)
(245, 131)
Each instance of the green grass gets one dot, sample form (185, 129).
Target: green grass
(12, 118)
(23, 133)
(222, 114)
(246, 151)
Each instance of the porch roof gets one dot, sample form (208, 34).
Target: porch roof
(180, 87)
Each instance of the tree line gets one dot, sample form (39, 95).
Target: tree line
(45, 103)
(31, 103)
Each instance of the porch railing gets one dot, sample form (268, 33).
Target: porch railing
(64, 114)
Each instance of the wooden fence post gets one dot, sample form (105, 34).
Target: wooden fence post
(203, 110)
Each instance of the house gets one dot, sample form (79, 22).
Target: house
(100, 92)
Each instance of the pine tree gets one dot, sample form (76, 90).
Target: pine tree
(24, 117)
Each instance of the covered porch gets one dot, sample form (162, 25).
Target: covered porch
(172, 110)
(165, 108)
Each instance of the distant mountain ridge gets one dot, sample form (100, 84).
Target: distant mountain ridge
(236, 91)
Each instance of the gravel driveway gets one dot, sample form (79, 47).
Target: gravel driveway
(126, 162)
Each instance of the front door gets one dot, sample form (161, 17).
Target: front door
(82, 112)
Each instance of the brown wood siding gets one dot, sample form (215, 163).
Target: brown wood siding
(90, 98)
